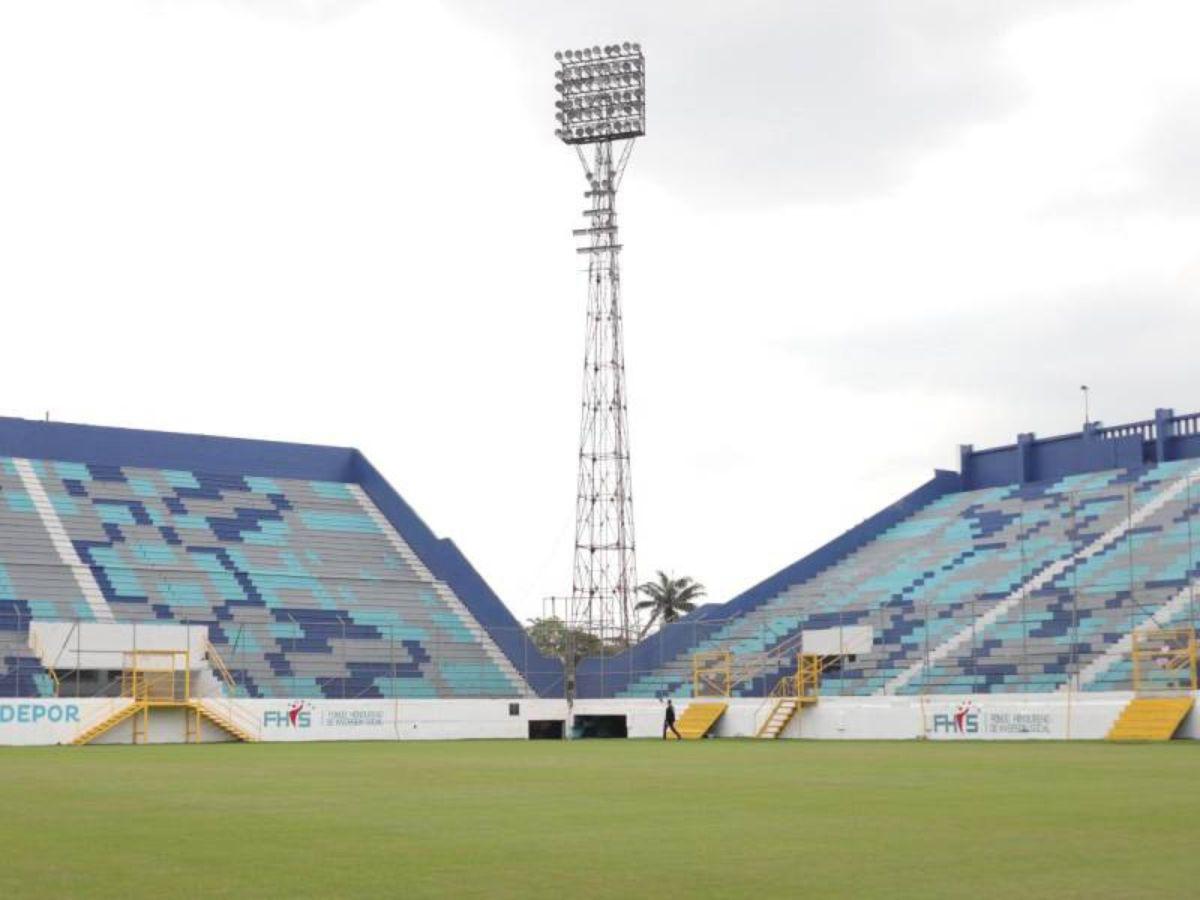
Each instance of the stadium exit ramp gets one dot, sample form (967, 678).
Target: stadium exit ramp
(1151, 719)
(698, 719)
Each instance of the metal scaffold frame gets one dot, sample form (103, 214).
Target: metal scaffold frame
(602, 104)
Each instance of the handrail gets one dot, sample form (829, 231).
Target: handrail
(1185, 425)
(108, 709)
(1146, 430)
(219, 664)
(768, 659)
(35, 644)
(233, 712)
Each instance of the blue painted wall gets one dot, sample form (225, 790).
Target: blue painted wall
(1160, 439)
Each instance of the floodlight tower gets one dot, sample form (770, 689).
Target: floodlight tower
(602, 103)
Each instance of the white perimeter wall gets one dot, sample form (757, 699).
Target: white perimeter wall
(985, 717)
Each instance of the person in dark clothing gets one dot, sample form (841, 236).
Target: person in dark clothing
(669, 722)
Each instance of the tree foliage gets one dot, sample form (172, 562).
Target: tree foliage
(669, 598)
(553, 638)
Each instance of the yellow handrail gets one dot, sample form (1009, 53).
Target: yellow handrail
(712, 673)
(219, 664)
(234, 713)
(35, 644)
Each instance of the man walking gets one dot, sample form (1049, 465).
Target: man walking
(669, 722)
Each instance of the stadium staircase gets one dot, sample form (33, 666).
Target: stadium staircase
(162, 679)
(698, 720)
(237, 724)
(782, 713)
(232, 721)
(113, 714)
(1151, 719)
(792, 693)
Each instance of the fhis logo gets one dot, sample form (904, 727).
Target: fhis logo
(964, 720)
(298, 715)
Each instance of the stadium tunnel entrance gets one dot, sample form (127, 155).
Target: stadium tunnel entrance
(547, 729)
(600, 726)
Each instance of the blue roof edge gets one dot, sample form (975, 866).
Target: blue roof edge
(205, 453)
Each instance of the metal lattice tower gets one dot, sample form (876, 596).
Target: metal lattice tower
(601, 107)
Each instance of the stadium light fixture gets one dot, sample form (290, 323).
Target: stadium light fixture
(601, 94)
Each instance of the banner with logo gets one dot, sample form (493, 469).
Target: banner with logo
(324, 720)
(1022, 718)
(30, 721)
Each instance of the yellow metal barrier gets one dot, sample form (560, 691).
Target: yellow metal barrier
(712, 673)
(1164, 660)
(808, 676)
(153, 677)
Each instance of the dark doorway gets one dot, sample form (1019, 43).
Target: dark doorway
(546, 729)
(600, 727)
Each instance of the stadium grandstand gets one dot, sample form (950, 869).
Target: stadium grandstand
(311, 575)
(1032, 571)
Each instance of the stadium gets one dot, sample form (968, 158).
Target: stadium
(178, 589)
(242, 657)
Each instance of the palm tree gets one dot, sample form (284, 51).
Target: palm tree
(668, 598)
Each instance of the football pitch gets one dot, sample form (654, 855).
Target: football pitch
(716, 818)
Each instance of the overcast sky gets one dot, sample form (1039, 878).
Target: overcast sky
(856, 235)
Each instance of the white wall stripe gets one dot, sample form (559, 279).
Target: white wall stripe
(62, 543)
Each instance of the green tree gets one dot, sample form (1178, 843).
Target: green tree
(668, 598)
(552, 636)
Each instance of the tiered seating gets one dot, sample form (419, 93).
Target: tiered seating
(1091, 605)
(930, 579)
(306, 589)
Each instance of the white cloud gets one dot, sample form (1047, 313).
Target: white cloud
(847, 247)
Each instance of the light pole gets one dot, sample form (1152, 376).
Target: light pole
(1086, 416)
(602, 103)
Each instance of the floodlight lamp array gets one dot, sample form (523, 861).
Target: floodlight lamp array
(602, 94)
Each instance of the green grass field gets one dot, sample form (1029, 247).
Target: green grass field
(601, 818)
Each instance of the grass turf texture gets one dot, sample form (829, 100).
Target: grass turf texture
(600, 818)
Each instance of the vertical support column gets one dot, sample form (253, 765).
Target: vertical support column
(1026, 467)
(965, 452)
(1162, 433)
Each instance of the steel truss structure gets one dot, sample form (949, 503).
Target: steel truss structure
(601, 112)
